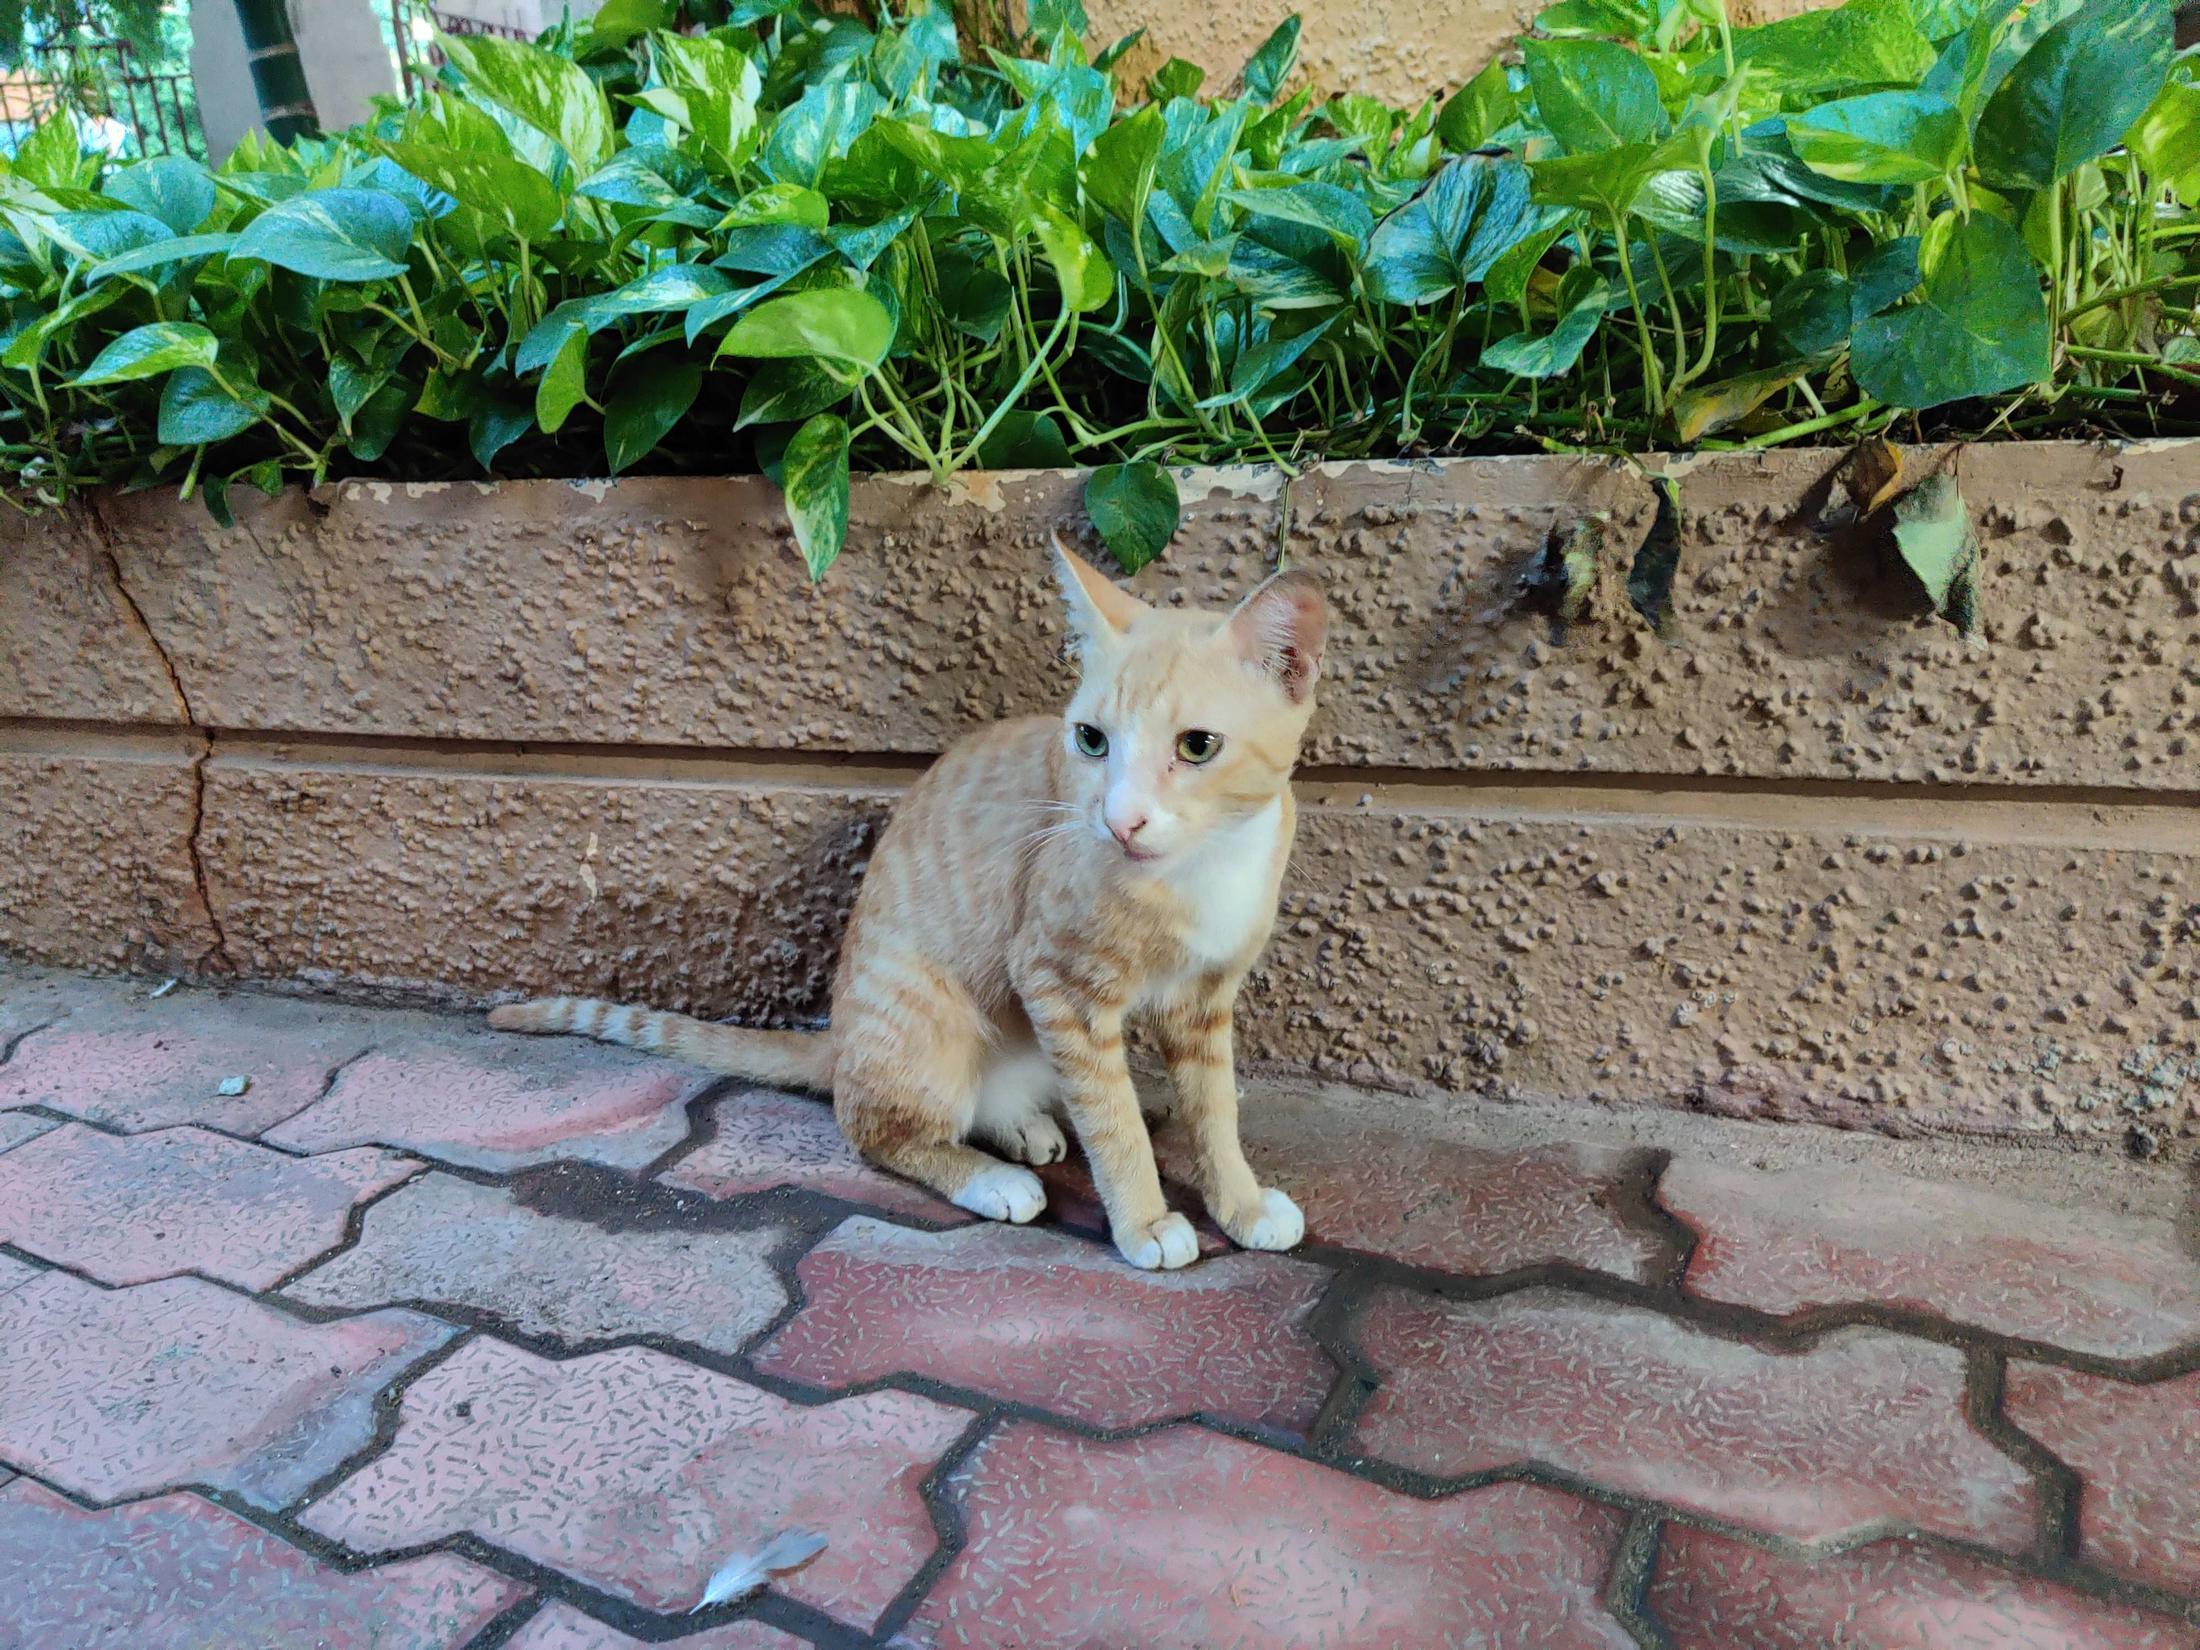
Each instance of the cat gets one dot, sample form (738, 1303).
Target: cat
(1045, 878)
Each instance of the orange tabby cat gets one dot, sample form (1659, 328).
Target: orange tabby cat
(1042, 881)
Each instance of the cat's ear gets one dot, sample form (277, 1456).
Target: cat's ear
(1099, 611)
(1280, 629)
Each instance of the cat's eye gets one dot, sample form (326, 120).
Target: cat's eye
(1090, 740)
(1197, 745)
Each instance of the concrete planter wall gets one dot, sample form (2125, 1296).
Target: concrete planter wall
(1812, 854)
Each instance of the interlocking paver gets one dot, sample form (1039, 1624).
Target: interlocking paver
(764, 1140)
(1038, 1318)
(2138, 1450)
(117, 1392)
(1713, 1593)
(19, 1126)
(133, 1208)
(561, 1627)
(1186, 1539)
(179, 1573)
(15, 1273)
(133, 1062)
(638, 1474)
(1470, 1210)
(501, 1103)
(446, 1240)
(1802, 1238)
(1863, 1429)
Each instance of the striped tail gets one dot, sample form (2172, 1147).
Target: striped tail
(784, 1059)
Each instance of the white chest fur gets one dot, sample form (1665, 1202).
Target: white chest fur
(1230, 883)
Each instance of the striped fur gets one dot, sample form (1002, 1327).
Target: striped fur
(1029, 898)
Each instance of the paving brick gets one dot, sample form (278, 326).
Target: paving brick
(1864, 1429)
(2138, 1450)
(33, 998)
(1713, 1593)
(15, 1273)
(561, 1627)
(179, 1573)
(19, 1126)
(443, 1240)
(137, 1062)
(146, 1206)
(1802, 1238)
(639, 1474)
(1186, 1539)
(495, 1102)
(1462, 1209)
(765, 1140)
(1038, 1318)
(112, 1393)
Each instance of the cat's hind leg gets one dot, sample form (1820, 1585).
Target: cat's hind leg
(1015, 1113)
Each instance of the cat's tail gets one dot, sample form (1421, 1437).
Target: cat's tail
(784, 1059)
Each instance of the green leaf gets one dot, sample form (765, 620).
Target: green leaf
(1119, 170)
(777, 203)
(779, 392)
(1262, 364)
(495, 426)
(196, 411)
(1865, 43)
(718, 86)
(814, 473)
(1479, 110)
(1811, 312)
(171, 188)
(160, 255)
(1336, 211)
(1175, 78)
(1555, 352)
(552, 94)
(1979, 326)
(1934, 533)
(1608, 184)
(25, 349)
(837, 324)
(669, 290)
(618, 22)
(1473, 211)
(349, 386)
(1086, 277)
(501, 190)
(2166, 138)
(2072, 96)
(1594, 96)
(1880, 137)
(1267, 69)
(564, 383)
(822, 125)
(52, 155)
(1135, 508)
(332, 235)
(149, 351)
(1024, 441)
(375, 425)
(644, 411)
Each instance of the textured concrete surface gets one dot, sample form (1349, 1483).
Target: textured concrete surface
(1810, 854)
(537, 1404)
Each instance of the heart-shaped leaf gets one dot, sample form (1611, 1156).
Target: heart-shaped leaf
(814, 473)
(149, 351)
(837, 324)
(2073, 95)
(332, 235)
(1979, 325)
(1934, 533)
(1135, 508)
(645, 409)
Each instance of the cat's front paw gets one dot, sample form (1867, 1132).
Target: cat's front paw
(1272, 1222)
(1002, 1191)
(1163, 1246)
(1036, 1140)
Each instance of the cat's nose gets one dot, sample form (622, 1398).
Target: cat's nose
(1125, 830)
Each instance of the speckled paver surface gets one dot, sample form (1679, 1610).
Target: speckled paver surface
(434, 1339)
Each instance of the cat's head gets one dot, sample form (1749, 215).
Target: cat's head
(1185, 721)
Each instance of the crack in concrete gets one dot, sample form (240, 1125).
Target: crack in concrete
(218, 951)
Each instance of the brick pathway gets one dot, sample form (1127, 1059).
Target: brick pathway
(432, 1339)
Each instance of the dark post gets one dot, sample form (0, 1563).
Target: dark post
(278, 74)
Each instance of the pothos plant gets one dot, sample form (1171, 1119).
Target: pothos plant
(801, 243)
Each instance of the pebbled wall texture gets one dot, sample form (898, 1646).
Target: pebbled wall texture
(1807, 853)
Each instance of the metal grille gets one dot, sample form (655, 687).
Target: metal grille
(123, 104)
(418, 59)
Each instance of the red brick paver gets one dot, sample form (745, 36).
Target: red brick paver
(443, 1239)
(179, 1573)
(1803, 1238)
(133, 1208)
(2138, 1450)
(765, 1140)
(1863, 1429)
(503, 1103)
(1038, 1318)
(561, 1627)
(1187, 1540)
(112, 1393)
(1465, 1209)
(136, 1063)
(1712, 1593)
(639, 1474)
